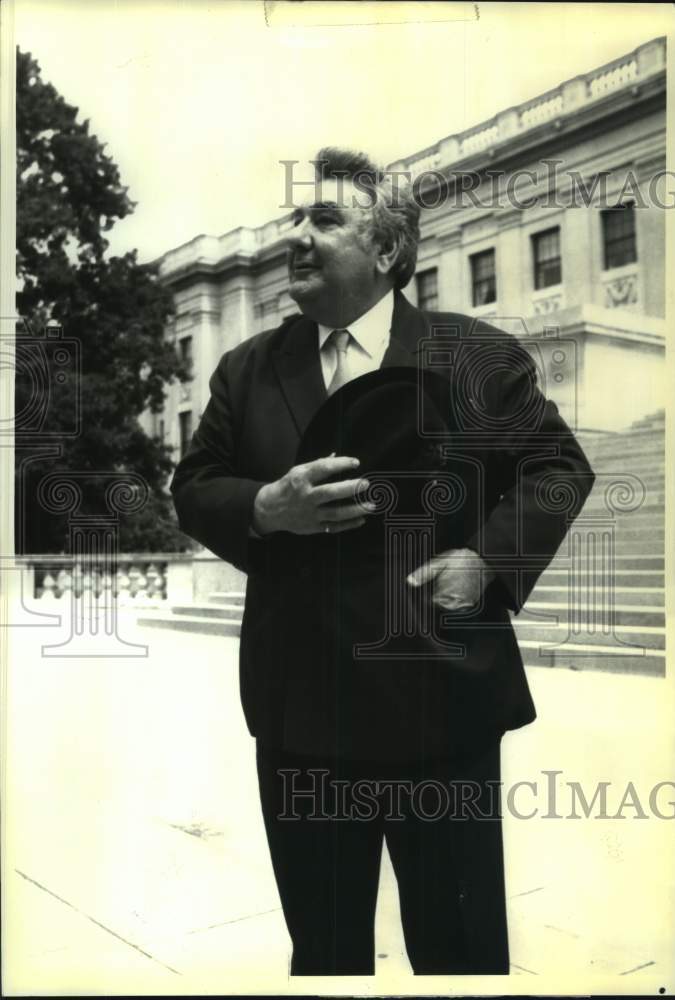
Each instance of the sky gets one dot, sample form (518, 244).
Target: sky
(199, 102)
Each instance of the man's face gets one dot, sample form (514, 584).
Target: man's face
(332, 264)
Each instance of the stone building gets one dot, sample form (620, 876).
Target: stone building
(548, 219)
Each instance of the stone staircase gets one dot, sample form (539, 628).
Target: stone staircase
(220, 615)
(597, 617)
(589, 613)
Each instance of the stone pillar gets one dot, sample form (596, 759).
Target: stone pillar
(651, 56)
(205, 320)
(512, 264)
(574, 93)
(650, 235)
(508, 123)
(236, 314)
(452, 295)
(579, 268)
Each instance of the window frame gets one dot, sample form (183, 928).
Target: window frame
(184, 440)
(540, 265)
(630, 238)
(484, 280)
(422, 300)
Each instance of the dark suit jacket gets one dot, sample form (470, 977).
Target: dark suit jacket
(456, 681)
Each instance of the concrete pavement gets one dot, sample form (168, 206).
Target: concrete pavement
(128, 869)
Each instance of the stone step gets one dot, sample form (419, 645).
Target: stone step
(653, 507)
(653, 426)
(639, 578)
(227, 597)
(645, 467)
(224, 611)
(639, 561)
(584, 657)
(649, 439)
(627, 535)
(622, 574)
(180, 623)
(630, 521)
(543, 633)
(622, 457)
(622, 614)
(635, 596)
(650, 476)
(641, 544)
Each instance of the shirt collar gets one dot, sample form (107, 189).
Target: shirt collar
(369, 330)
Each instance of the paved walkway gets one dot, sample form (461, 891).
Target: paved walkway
(125, 872)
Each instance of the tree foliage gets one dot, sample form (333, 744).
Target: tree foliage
(69, 195)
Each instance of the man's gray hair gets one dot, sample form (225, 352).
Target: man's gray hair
(395, 212)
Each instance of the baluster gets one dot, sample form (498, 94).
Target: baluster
(122, 585)
(154, 581)
(48, 587)
(64, 582)
(134, 576)
(77, 580)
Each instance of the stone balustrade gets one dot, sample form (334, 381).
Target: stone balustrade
(623, 72)
(610, 79)
(134, 580)
(138, 579)
(629, 71)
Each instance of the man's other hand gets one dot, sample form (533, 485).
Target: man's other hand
(459, 577)
(303, 503)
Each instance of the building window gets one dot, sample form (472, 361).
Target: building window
(185, 427)
(618, 235)
(546, 254)
(185, 353)
(427, 289)
(483, 280)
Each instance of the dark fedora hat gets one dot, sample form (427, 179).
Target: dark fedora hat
(390, 419)
(395, 420)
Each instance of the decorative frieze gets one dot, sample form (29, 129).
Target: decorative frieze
(547, 304)
(621, 291)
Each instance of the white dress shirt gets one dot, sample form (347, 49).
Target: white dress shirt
(369, 341)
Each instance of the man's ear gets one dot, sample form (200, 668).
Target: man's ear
(386, 258)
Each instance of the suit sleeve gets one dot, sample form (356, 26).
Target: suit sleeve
(542, 479)
(214, 503)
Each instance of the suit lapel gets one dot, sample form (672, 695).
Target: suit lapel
(298, 369)
(408, 326)
(298, 366)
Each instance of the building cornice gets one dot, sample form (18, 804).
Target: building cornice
(589, 104)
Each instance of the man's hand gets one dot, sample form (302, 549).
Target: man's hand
(300, 501)
(459, 576)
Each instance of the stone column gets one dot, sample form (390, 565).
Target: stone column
(650, 235)
(452, 295)
(579, 268)
(512, 263)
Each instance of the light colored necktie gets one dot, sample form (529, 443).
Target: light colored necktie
(341, 340)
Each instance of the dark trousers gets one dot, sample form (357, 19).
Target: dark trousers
(326, 820)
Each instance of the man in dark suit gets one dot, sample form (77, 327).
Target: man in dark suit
(390, 481)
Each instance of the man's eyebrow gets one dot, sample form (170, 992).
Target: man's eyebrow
(316, 206)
